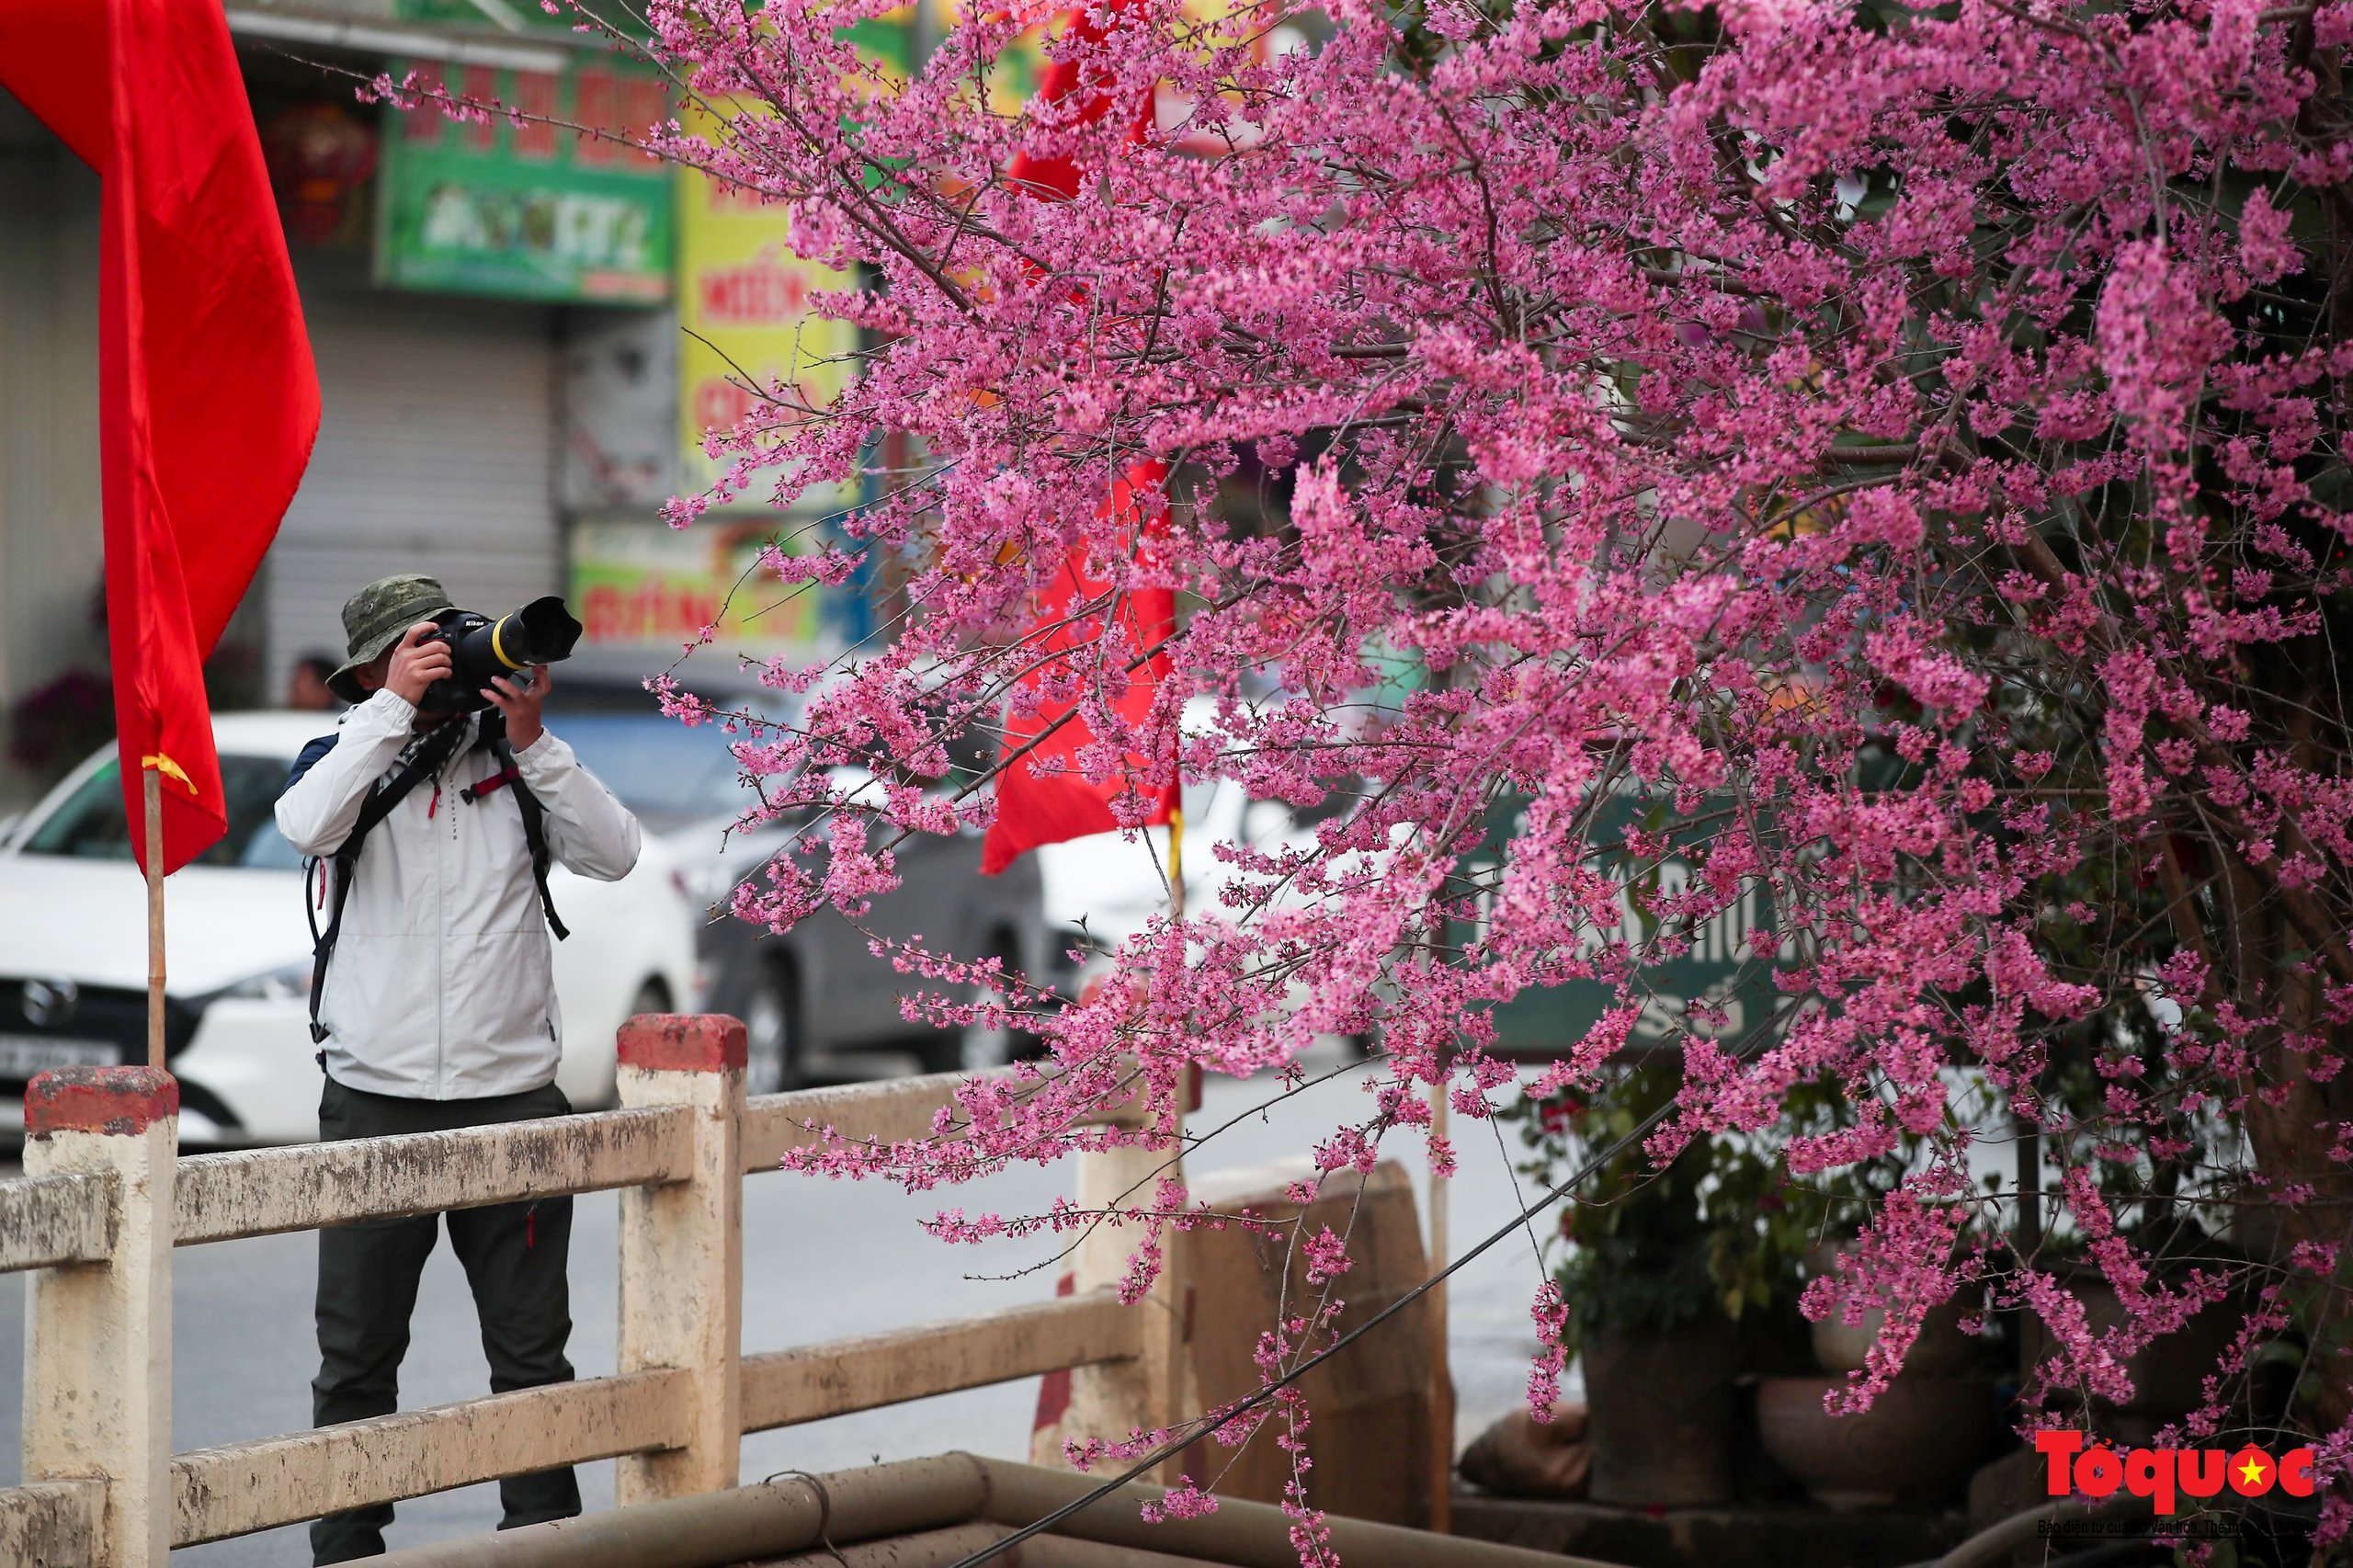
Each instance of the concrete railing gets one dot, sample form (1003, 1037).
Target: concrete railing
(105, 1198)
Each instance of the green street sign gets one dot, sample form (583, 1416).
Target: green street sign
(522, 209)
(1731, 986)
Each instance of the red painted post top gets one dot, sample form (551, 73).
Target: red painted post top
(121, 1101)
(683, 1043)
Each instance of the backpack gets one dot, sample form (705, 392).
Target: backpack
(421, 759)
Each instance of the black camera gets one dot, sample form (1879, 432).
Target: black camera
(541, 633)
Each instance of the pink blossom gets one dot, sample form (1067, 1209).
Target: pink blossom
(1874, 486)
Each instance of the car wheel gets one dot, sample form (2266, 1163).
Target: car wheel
(772, 1032)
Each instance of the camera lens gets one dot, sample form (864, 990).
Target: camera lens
(541, 633)
(482, 649)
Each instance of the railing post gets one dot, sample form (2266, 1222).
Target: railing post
(98, 1336)
(1115, 1399)
(682, 1251)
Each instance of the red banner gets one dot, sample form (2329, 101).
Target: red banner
(208, 401)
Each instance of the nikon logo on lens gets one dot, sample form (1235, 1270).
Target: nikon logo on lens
(481, 649)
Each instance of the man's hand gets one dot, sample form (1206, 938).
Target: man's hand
(520, 704)
(416, 664)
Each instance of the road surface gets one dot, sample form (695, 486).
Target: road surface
(822, 1259)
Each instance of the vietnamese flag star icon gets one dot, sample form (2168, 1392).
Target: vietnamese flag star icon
(2252, 1470)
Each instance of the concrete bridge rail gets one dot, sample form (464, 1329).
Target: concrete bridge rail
(105, 1198)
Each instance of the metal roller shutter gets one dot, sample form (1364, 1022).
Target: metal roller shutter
(437, 453)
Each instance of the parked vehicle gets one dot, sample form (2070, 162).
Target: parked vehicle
(815, 1000)
(73, 950)
(1103, 889)
(1107, 887)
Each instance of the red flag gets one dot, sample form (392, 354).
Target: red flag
(208, 402)
(1031, 810)
(1056, 180)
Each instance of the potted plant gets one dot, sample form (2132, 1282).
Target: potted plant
(1923, 1434)
(1666, 1270)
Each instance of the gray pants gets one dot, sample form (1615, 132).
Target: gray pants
(515, 1256)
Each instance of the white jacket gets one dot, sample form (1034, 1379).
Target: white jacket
(442, 986)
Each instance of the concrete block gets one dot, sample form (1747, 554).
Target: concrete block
(681, 1246)
(1371, 1407)
(98, 1336)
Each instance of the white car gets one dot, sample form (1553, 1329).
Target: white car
(237, 949)
(1103, 889)
(1110, 886)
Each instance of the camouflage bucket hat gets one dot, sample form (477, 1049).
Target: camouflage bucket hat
(375, 617)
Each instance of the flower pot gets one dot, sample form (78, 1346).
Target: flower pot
(1941, 1350)
(1662, 1404)
(2168, 1374)
(1917, 1443)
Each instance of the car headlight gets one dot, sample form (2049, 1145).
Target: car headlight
(286, 983)
(707, 884)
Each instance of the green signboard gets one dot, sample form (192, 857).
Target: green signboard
(528, 16)
(1731, 983)
(519, 208)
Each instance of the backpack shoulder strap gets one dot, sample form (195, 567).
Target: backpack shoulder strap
(534, 831)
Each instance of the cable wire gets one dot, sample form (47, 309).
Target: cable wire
(1161, 1455)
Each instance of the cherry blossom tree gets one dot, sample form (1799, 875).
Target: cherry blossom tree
(1894, 449)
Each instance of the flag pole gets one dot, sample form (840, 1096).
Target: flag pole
(1177, 862)
(153, 780)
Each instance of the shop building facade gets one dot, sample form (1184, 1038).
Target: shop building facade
(493, 313)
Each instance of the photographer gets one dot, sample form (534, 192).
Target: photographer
(437, 1008)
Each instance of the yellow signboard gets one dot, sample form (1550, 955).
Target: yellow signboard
(642, 588)
(1012, 76)
(751, 345)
